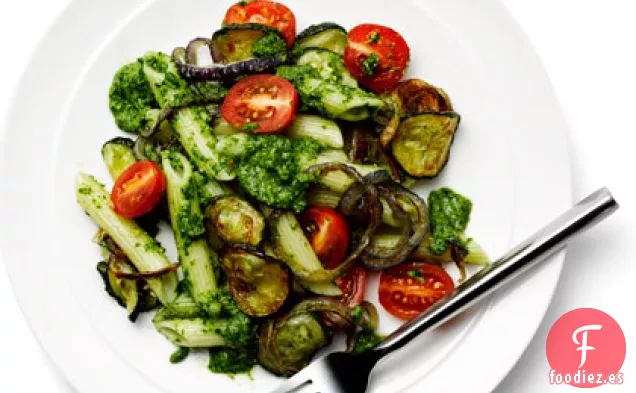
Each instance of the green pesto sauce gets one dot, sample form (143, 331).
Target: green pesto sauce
(151, 246)
(329, 65)
(449, 213)
(240, 330)
(316, 93)
(224, 297)
(190, 220)
(336, 68)
(170, 89)
(271, 170)
(179, 355)
(311, 98)
(366, 341)
(130, 98)
(157, 61)
(270, 45)
(232, 360)
(210, 91)
(175, 160)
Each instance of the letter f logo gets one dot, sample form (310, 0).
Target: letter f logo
(583, 344)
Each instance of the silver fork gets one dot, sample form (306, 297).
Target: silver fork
(342, 372)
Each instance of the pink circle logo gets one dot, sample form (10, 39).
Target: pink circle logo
(586, 348)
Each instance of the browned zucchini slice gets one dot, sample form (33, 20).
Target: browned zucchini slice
(422, 144)
(234, 43)
(330, 36)
(410, 98)
(259, 284)
(389, 117)
(418, 96)
(236, 221)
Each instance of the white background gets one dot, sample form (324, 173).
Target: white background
(588, 47)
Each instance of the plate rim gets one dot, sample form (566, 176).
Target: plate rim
(67, 20)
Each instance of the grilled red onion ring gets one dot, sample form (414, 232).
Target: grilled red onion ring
(419, 229)
(373, 216)
(226, 74)
(193, 48)
(140, 276)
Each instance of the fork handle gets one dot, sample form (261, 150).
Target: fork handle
(528, 254)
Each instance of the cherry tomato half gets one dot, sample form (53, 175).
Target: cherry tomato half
(328, 234)
(267, 13)
(377, 56)
(262, 104)
(409, 289)
(138, 190)
(353, 286)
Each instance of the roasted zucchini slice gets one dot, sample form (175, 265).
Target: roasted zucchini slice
(417, 96)
(329, 65)
(259, 284)
(409, 98)
(131, 295)
(235, 43)
(422, 144)
(328, 35)
(118, 155)
(236, 221)
(389, 117)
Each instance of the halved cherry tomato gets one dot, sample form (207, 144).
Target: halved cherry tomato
(138, 190)
(262, 104)
(377, 56)
(267, 13)
(409, 289)
(353, 286)
(328, 234)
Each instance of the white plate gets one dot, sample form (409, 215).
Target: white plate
(510, 157)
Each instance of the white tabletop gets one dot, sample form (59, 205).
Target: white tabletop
(588, 48)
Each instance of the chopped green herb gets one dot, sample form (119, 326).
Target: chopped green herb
(415, 274)
(249, 127)
(371, 64)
